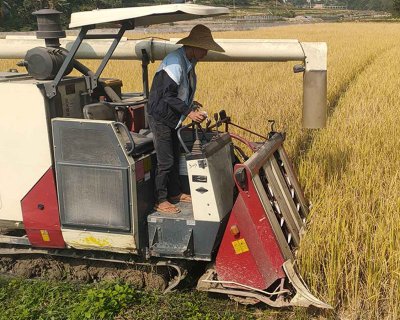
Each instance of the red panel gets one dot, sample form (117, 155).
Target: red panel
(40, 214)
(139, 170)
(261, 265)
(137, 118)
(240, 268)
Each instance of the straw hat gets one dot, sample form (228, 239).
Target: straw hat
(200, 37)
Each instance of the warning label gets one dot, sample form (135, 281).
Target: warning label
(45, 235)
(240, 246)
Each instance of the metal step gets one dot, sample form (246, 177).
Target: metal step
(185, 214)
(170, 250)
(172, 241)
(171, 234)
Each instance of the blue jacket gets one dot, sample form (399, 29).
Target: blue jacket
(173, 89)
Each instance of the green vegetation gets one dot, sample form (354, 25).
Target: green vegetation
(16, 15)
(44, 300)
(22, 300)
(396, 7)
(41, 300)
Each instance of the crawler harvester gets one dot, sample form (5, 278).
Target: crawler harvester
(77, 165)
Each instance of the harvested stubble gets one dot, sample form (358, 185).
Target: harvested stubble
(351, 253)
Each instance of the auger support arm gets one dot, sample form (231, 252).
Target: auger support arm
(312, 54)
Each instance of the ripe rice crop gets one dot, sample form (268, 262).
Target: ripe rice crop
(350, 256)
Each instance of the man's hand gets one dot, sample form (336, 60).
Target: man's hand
(197, 116)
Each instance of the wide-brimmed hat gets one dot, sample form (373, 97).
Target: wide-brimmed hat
(200, 37)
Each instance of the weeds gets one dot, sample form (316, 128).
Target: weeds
(41, 300)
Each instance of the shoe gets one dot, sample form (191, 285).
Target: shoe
(183, 197)
(166, 207)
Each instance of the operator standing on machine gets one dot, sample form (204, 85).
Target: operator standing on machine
(170, 101)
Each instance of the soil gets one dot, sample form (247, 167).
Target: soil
(134, 277)
(155, 282)
(83, 271)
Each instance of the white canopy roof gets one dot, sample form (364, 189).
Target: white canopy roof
(145, 16)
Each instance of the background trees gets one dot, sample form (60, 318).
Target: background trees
(16, 15)
(396, 7)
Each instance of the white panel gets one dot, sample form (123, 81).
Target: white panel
(204, 205)
(217, 201)
(24, 145)
(146, 15)
(221, 171)
(80, 239)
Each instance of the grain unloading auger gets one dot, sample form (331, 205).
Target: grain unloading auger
(77, 166)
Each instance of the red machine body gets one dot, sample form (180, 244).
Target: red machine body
(252, 257)
(40, 214)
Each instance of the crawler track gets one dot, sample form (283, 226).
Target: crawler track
(71, 265)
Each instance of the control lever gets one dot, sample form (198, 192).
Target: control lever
(196, 149)
(272, 132)
(216, 123)
(208, 123)
(222, 115)
(196, 131)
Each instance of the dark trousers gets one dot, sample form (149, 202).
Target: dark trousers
(166, 144)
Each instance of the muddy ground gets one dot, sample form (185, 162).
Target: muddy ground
(83, 271)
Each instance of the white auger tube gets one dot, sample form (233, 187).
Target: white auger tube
(312, 54)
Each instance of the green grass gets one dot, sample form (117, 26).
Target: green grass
(43, 300)
(36, 299)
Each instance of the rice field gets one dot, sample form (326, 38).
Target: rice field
(350, 256)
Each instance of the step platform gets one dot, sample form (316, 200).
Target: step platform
(171, 234)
